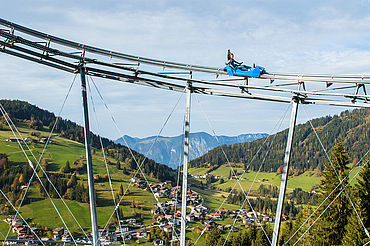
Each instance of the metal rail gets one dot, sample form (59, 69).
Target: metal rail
(35, 52)
(361, 79)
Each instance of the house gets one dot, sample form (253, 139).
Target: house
(222, 211)
(141, 234)
(11, 220)
(66, 238)
(103, 232)
(131, 221)
(13, 139)
(201, 209)
(158, 242)
(57, 233)
(140, 184)
(209, 228)
(228, 227)
(215, 215)
(175, 222)
(161, 219)
(20, 230)
(118, 236)
(173, 203)
(221, 227)
(190, 218)
(198, 216)
(155, 187)
(246, 222)
(37, 231)
(168, 216)
(15, 227)
(160, 194)
(167, 228)
(175, 190)
(198, 176)
(265, 219)
(24, 238)
(108, 237)
(124, 228)
(44, 140)
(232, 216)
(250, 215)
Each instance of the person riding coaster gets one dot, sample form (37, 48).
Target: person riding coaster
(236, 68)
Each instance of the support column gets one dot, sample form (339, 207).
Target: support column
(185, 165)
(90, 173)
(284, 176)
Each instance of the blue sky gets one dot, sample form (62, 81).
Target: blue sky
(330, 37)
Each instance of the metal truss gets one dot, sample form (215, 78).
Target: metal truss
(69, 56)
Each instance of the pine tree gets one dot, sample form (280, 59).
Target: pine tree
(309, 236)
(355, 233)
(67, 168)
(363, 188)
(261, 239)
(72, 181)
(214, 238)
(4, 162)
(120, 192)
(330, 229)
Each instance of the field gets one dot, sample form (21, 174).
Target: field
(306, 181)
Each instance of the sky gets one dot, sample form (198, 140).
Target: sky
(319, 37)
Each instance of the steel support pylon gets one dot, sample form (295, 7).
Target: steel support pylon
(90, 173)
(185, 165)
(284, 176)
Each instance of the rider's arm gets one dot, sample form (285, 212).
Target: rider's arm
(238, 63)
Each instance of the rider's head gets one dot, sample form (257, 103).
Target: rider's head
(230, 56)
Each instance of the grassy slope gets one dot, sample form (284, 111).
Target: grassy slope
(57, 154)
(4, 227)
(305, 181)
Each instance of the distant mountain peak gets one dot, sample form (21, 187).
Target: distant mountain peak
(168, 150)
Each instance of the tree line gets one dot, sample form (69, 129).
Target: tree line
(40, 119)
(350, 127)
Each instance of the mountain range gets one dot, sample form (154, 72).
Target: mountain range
(169, 150)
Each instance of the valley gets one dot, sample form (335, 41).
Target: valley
(141, 209)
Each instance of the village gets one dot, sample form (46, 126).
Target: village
(165, 219)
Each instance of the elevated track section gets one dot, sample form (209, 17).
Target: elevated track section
(68, 56)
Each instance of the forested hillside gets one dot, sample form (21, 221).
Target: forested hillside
(350, 127)
(40, 119)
